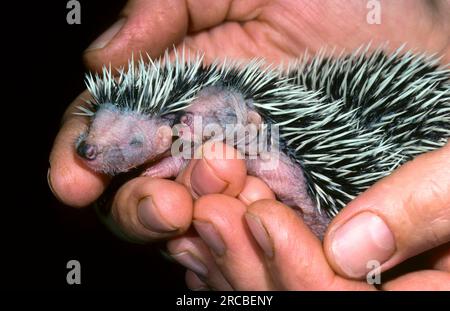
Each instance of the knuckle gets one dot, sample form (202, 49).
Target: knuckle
(428, 208)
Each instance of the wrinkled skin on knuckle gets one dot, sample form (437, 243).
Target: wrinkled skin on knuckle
(424, 208)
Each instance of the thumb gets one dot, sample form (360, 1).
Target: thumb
(399, 217)
(152, 26)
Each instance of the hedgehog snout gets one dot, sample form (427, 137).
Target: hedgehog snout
(87, 151)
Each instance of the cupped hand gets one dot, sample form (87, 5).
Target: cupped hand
(252, 242)
(276, 30)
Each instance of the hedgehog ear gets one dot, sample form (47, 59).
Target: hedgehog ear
(163, 138)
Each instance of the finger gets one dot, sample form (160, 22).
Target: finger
(402, 215)
(192, 253)
(429, 280)
(149, 209)
(153, 26)
(221, 169)
(293, 255)
(69, 179)
(218, 219)
(193, 282)
(439, 258)
(254, 190)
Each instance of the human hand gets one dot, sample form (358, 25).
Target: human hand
(404, 214)
(275, 30)
(254, 244)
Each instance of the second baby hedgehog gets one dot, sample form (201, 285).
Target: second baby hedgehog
(333, 126)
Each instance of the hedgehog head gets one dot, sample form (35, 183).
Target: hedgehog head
(117, 140)
(132, 111)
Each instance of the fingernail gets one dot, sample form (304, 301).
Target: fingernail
(190, 261)
(210, 236)
(49, 182)
(360, 240)
(200, 289)
(204, 181)
(106, 37)
(166, 255)
(260, 234)
(150, 217)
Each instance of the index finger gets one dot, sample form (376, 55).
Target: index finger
(70, 181)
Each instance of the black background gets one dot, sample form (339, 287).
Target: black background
(43, 65)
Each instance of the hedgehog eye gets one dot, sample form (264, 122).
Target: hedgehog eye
(136, 142)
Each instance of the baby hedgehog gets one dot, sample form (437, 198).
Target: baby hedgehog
(330, 127)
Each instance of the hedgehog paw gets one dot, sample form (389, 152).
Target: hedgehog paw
(166, 168)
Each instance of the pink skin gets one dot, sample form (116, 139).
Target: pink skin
(286, 180)
(118, 141)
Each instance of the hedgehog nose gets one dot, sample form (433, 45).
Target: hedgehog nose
(89, 152)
